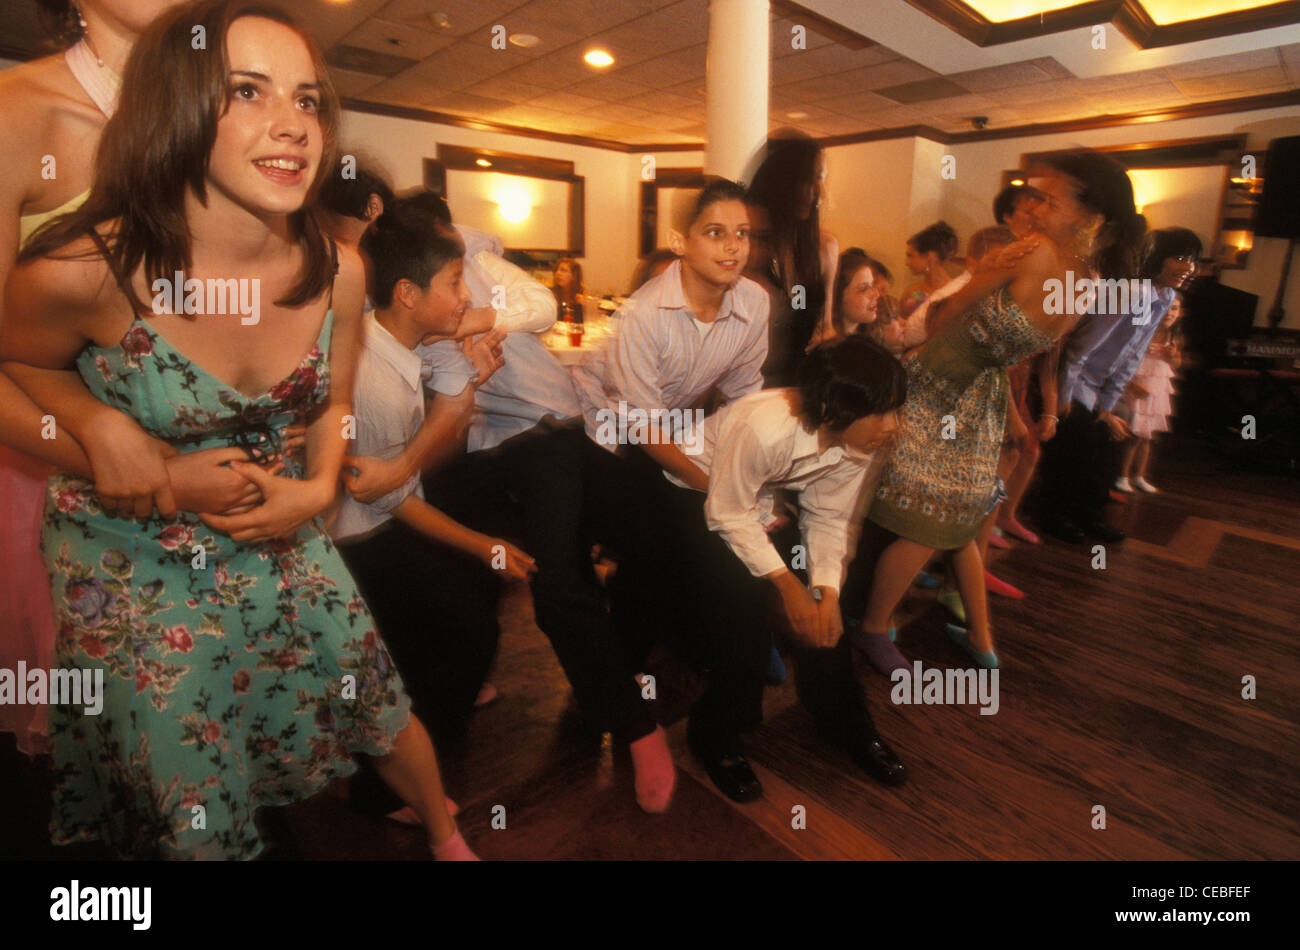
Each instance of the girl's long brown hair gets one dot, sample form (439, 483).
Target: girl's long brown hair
(159, 141)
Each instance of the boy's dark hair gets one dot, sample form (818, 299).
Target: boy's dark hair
(938, 237)
(844, 380)
(348, 197)
(721, 189)
(426, 209)
(403, 249)
(1165, 243)
(1004, 205)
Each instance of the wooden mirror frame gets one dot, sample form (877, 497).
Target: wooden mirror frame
(527, 166)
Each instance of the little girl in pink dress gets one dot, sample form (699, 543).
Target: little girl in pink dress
(1149, 398)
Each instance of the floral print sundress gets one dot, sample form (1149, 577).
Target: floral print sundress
(235, 676)
(941, 479)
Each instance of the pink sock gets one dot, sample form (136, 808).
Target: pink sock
(454, 849)
(655, 775)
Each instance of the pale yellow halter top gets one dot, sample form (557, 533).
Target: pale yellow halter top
(29, 223)
(102, 85)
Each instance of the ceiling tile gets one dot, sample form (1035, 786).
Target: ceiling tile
(399, 39)
(466, 62)
(573, 19)
(1139, 97)
(467, 103)
(555, 71)
(1236, 63)
(837, 59)
(367, 61)
(856, 103)
(531, 116)
(958, 107)
(820, 87)
(607, 88)
(348, 83)
(648, 36)
(466, 16)
(1243, 83)
(682, 64)
(503, 86)
(887, 74)
(1030, 95)
(924, 90)
(1100, 84)
(783, 35)
(998, 77)
(662, 102)
(565, 101)
(1050, 66)
(620, 113)
(679, 121)
(405, 92)
(792, 69)
(694, 13)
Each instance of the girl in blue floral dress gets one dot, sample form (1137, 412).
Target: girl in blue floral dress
(240, 665)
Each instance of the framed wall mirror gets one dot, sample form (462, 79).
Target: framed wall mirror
(666, 199)
(536, 206)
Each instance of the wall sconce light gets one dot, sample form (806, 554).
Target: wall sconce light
(514, 208)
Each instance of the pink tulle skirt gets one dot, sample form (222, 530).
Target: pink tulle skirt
(26, 611)
(1151, 412)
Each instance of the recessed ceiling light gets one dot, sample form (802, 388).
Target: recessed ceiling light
(598, 58)
(796, 115)
(483, 162)
(441, 20)
(526, 40)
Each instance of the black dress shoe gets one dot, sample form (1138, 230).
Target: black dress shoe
(878, 760)
(1064, 530)
(729, 770)
(1104, 532)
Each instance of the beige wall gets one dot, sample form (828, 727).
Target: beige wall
(612, 180)
(869, 199)
(874, 203)
(969, 197)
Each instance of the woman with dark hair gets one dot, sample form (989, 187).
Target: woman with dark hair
(789, 187)
(53, 110)
(928, 250)
(239, 665)
(941, 481)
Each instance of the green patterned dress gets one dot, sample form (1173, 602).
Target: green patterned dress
(941, 480)
(237, 676)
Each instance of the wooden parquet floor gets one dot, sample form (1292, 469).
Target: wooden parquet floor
(1120, 688)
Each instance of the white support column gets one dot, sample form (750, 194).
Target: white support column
(737, 86)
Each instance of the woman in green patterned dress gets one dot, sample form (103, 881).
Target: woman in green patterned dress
(941, 480)
(240, 665)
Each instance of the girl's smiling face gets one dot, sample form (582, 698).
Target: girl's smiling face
(1173, 314)
(269, 140)
(860, 297)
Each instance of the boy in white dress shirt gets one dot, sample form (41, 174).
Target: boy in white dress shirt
(431, 582)
(522, 478)
(718, 568)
